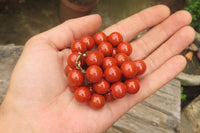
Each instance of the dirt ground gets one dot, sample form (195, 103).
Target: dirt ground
(20, 21)
(191, 92)
(193, 67)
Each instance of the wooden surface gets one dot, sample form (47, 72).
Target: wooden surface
(160, 113)
(190, 117)
(8, 58)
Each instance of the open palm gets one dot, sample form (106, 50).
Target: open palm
(38, 96)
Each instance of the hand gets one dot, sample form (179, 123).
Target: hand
(38, 97)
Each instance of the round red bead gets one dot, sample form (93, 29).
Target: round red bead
(94, 58)
(124, 47)
(129, 69)
(94, 73)
(71, 61)
(101, 87)
(99, 37)
(88, 41)
(97, 101)
(108, 61)
(78, 46)
(118, 90)
(82, 94)
(112, 74)
(141, 66)
(106, 48)
(120, 58)
(133, 86)
(75, 78)
(115, 38)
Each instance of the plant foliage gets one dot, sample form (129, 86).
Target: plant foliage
(183, 96)
(194, 8)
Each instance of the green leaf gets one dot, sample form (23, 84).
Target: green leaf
(183, 97)
(194, 8)
(181, 89)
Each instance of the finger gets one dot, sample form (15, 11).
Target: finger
(146, 44)
(160, 77)
(134, 24)
(177, 43)
(64, 34)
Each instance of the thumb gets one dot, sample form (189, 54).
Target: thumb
(64, 34)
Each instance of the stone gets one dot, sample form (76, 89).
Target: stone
(188, 79)
(198, 36)
(198, 55)
(190, 117)
(189, 55)
(193, 47)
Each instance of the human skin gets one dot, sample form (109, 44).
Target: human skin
(39, 100)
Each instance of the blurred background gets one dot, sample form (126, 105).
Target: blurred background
(22, 19)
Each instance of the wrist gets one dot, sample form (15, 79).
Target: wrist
(11, 122)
